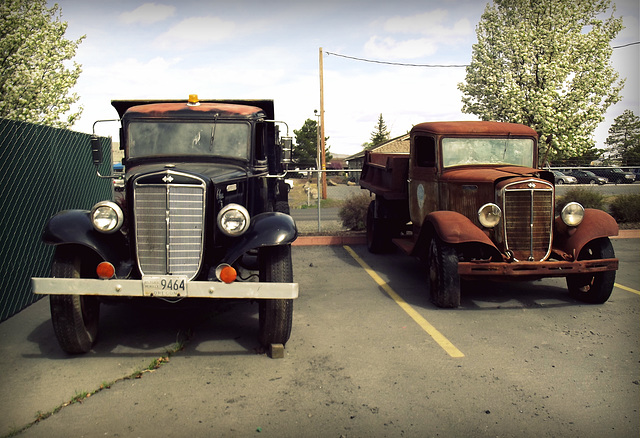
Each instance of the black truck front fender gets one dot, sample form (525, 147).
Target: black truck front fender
(266, 229)
(73, 227)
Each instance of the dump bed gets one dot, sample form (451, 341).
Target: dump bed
(386, 174)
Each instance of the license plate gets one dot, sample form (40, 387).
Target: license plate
(165, 286)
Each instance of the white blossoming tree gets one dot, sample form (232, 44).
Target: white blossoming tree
(35, 72)
(545, 64)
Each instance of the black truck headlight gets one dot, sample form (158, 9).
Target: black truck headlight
(107, 217)
(233, 220)
(489, 215)
(572, 214)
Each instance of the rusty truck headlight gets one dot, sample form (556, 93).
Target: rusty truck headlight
(572, 214)
(107, 217)
(233, 220)
(489, 215)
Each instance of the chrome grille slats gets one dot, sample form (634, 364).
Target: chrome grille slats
(528, 220)
(169, 223)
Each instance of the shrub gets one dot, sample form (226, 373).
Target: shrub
(588, 199)
(353, 212)
(626, 208)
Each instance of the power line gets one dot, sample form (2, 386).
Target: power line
(430, 65)
(398, 63)
(625, 45)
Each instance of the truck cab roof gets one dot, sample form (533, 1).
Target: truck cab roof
(179, 108)
(479, 128)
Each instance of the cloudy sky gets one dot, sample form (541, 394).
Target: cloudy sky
(246, 49)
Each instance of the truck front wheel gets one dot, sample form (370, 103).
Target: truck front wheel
(444, 281)
(275, 315)
(74, 317)
(593, 288)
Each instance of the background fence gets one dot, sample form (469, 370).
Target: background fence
(43, 170)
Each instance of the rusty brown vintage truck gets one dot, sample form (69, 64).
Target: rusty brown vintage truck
(469, 200)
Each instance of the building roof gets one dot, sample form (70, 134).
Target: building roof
(395, 145)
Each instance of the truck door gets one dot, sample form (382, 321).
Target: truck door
(423, 185)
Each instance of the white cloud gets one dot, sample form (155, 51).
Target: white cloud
(389, 48)
(197, 31)
(432, 23)
(148, 13)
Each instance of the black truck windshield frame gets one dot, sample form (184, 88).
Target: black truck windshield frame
(219, 138)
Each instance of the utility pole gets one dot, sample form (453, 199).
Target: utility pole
(321, 144)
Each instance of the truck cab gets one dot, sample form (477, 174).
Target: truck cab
(469, 199)
(203, 213)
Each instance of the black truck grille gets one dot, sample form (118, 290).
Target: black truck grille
(528, 221)
(169, 226)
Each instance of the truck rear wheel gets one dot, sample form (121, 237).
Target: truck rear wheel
(74, 317)
(275, 315)
(444, 281)
(593, 288)
(378, 232)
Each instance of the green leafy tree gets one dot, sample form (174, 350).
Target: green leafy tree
(35, 81)
(545, 64)
(306, 148)
(624, 138)
(379, 135)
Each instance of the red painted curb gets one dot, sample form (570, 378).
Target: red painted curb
(329, 240)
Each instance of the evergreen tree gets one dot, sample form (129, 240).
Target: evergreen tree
(624, 138)
(379, 135)
(306, 148)
(545, 64)
(35, 83)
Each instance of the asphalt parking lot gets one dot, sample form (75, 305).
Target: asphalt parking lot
(369, 356)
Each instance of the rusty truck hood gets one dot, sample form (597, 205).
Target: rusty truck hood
(478, 175)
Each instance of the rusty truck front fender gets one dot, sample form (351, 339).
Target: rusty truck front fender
(596, 224)
(452, 227)
(266, 229)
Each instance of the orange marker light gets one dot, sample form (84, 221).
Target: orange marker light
(105, 270)
(226, 273)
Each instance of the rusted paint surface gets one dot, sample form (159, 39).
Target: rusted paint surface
(482, 174)
(525, 270)
(596, 224)
(472, 128)
(452, 227)
(183, 110)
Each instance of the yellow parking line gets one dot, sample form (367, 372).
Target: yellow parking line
(426, 326)
(628, 289)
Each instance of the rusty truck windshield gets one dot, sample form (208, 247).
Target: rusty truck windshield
(180, 138)
(470, 151)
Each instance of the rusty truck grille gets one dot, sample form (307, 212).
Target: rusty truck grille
(169, 224)
(528, 220)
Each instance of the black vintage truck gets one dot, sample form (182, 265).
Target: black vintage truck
(203, 214)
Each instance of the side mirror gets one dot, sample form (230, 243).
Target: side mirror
(287, 146)
(96, 150)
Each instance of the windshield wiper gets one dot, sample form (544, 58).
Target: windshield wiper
(213, 129)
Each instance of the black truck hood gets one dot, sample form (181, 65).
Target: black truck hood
(214, 172)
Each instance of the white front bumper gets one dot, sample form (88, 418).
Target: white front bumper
(134, 288)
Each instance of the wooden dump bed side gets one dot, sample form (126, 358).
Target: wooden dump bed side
(385, 174)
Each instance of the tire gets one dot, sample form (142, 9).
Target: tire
(275, 315)
(593, 288)
(444, 281)
(75, 317)
(593, 182)
(378, 232)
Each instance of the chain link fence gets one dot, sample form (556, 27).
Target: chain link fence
(43, 170)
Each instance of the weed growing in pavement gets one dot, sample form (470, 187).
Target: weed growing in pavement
(81, 396)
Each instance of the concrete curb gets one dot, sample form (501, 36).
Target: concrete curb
(362, 239)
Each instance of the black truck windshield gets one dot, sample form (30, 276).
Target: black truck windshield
(196, 138)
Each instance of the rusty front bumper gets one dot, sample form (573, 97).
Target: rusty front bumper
(535, 269)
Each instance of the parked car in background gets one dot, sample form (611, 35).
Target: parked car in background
(586, 177)
(561, 178)
(615, 175)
